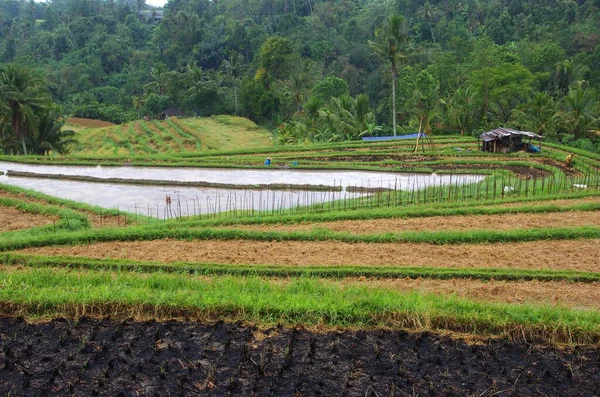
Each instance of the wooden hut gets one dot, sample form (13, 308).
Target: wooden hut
(507, 140)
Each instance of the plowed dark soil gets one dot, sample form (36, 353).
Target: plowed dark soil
(102, 357)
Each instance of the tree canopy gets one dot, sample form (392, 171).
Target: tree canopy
(471, 64)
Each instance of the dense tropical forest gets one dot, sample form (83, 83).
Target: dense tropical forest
(312, 70)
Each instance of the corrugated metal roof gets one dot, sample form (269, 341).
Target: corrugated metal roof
(499, 133)
(389, 138)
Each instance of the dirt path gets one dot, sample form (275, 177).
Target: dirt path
(583, 255)
(437, 223)
(13, 219)
(554, 293)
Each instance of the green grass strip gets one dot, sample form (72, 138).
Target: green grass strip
(305, 300)
(381, 272)
(146, 233)
(384, 213)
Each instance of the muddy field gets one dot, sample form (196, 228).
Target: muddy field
(13, 219)
(102, 357)
(438, 223)
(559, 255)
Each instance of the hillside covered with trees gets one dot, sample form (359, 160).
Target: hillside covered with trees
(312, 69)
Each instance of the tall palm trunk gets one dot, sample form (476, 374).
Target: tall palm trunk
(394, 78)
(235, 96)
(19, 131)
(431, 30)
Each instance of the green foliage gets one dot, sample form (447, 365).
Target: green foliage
(276, 56)
(501, 89)
(106, 59)
(330, 87)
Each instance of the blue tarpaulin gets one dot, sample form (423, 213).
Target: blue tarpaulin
(389, 138)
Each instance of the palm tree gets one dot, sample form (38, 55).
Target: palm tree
(51, 136)
(579, 110)
(159, 76)
(392, 46)
(429, 13)
(22, 95)
(460, 110)
(233, 68)
(195, 80)
(539, 115)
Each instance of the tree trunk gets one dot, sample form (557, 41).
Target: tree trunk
(431, 30)
(22, 136)
(394, 77)
(235, 95)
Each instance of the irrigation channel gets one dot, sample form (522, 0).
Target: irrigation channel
(144, 190)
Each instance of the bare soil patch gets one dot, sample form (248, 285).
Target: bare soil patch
(13, 219)
(88, 123)
(553, 293)
(570, 171)
(568, 255)
(104, 357)
(437, 223)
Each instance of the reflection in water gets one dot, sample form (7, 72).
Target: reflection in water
(151, 200)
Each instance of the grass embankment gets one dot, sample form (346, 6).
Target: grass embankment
(73, 214)
(145, 233)
(173, 136)
(52, 292)
(336, 272)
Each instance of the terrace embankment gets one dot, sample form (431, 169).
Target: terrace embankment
(13, 219)
(579, 255)
(103, 357)
(96, 220)
(476, 222)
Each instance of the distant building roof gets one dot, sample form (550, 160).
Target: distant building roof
(389, 138)
(173, 111)
(500, 133)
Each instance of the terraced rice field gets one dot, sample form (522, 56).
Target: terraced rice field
(173, 136)
(456, 292)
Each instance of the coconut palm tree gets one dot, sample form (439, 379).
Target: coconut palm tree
(159, 76)
(579, 110)
(428, 13)
(391, 46)
(22, 96)
(51, 136)
(538, 116)
(233, 67)
(460, 110)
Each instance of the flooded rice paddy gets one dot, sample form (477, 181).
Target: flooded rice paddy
(152, 200)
